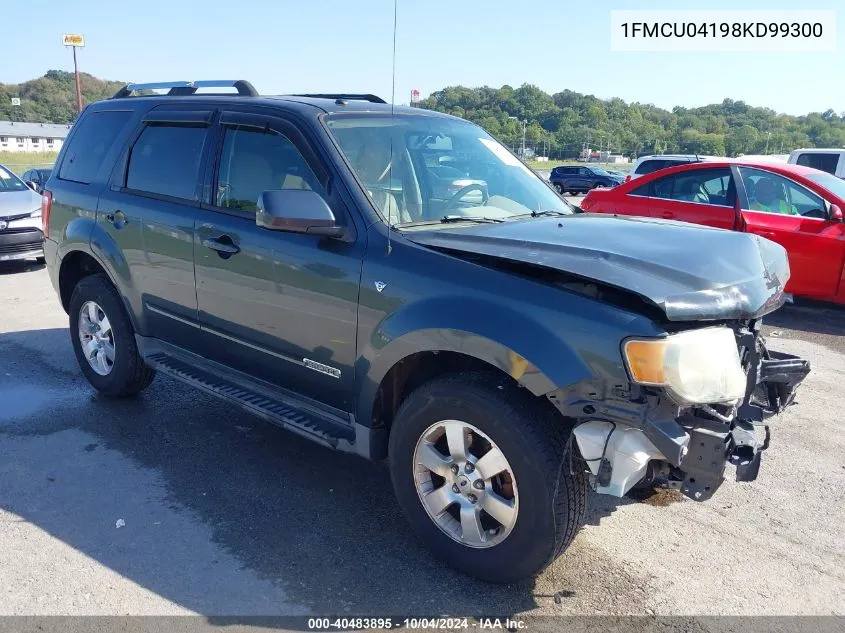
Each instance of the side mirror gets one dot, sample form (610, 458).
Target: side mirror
(32, 185)
(836, 213)
(297, 211)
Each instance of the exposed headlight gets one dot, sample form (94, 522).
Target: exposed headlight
(697, 366)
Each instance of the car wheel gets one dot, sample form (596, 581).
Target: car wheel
(559, 188)
(480, 469)
(104, 340)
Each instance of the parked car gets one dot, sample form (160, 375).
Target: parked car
(580, 178)
(35, 178)
(502, 356)
(20, 219)
(798, 207)
(648, 164)
(826, 159)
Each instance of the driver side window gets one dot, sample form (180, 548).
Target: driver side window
(254, 161)
(772, 193)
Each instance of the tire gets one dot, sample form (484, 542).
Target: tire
(129, 374)
(559, 188)
(533, 440)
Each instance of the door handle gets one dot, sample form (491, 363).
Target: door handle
(224, 245)
(118, 219)
(668, 215)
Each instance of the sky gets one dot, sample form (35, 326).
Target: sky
(291, 46)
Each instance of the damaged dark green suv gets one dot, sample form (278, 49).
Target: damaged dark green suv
(395, 283)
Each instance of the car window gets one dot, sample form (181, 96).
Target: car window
(10, 182)
(583, 171)
(399, 162)
(817, 160)
(254, 161)
(703, 186)
(165, 160)
(648, 166)
(93, 137)
(772, 193)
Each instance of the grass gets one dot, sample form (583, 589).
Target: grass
(19, 162)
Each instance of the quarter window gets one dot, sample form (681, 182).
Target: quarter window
(772, 193)
(826, 161)
(165, 160)
(254, 161)
(93, 137)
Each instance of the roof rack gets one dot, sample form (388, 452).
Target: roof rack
(182, 88)
(345, 97)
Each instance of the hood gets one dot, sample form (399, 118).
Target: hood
(18, 202)
(690, 272)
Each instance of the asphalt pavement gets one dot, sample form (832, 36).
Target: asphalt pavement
(176, 503)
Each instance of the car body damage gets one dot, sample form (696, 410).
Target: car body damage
(690, 274)
(639, 434)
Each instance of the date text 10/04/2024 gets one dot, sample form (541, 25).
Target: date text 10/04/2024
(335, 624)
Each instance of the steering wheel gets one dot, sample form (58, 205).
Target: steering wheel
(460, 193)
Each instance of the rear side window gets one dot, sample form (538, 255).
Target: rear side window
(92, 139)
(648, 166)
(704, 186)
(165, 160)
(823, 161)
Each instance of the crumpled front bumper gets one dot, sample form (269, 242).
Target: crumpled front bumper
(651, 441)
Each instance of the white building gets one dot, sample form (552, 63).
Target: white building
(16, 136)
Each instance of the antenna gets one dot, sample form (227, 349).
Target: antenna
(391, 132)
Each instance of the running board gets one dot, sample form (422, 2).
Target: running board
(251, 395)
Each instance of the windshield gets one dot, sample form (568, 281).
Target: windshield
(830, 182)
(10, 182)
(424, 168)
(598, 171)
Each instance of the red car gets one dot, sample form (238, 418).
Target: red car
(798, 207)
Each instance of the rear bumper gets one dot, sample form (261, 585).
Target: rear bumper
(21, 243)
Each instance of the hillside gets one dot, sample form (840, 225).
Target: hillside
(52, 98)
(563, 122)
(568, 120)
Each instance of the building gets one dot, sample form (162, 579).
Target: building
(17, 136)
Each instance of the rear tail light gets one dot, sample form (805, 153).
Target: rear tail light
(46, 206)
(628, 178)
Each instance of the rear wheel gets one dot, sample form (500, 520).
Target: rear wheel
(104, 340)
(480, 469)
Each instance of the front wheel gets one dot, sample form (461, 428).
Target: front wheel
(559, 188)
(104, 340)
(481, 470)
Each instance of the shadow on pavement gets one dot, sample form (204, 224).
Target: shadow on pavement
(19, 266)
(809, 317)
(323, 527)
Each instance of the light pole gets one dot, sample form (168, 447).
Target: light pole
(524, 123)
(75, 41)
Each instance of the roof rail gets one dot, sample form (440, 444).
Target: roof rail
(181, 88)
(345, 97)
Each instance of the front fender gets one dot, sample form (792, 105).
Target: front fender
(494, 333)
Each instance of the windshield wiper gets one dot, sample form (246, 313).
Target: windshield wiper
(446, 219)
(537, 214)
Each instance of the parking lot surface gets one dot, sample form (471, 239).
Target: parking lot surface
(175, 503)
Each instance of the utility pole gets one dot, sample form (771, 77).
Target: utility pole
(75, 41)
(768, 136)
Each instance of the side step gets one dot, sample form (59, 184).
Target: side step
(306, 421)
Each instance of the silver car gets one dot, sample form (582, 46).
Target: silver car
(20, 219)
